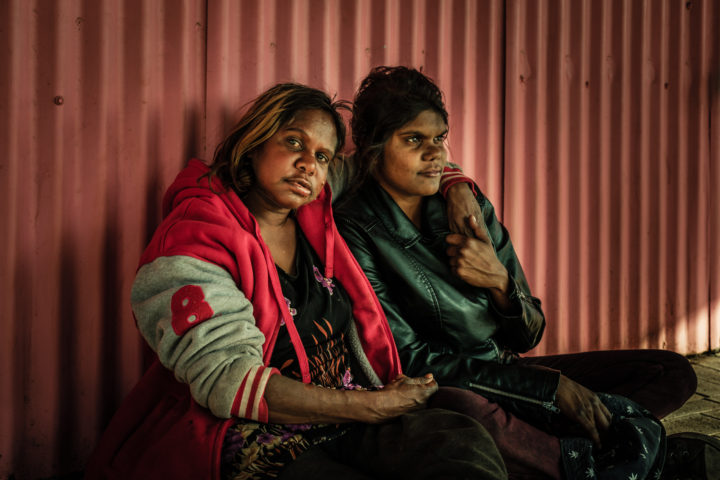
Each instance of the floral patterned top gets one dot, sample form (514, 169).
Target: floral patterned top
(321, 311)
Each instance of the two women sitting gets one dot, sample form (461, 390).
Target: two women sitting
(279, 357)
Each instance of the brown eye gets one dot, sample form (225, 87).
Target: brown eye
(294, 143)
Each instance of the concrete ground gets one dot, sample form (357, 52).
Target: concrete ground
(702, 412)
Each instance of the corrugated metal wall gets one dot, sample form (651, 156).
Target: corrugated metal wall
(611, 190)
(101, 103)
(332, 45)
(587, 124)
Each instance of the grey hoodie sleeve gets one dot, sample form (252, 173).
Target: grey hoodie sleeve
(202, 328)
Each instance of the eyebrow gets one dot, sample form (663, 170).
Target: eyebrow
(421, 134)
(296, 129)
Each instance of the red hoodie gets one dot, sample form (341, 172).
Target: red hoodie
(160, 429)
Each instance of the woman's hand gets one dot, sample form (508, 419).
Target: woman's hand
(473, 258)
(582, 407)
(290, 401)
(461, 204)
(402, 395)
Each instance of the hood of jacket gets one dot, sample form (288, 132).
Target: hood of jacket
(193, 182)
(317, 223)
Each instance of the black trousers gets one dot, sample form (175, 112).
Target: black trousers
(427, 444)
(659, 380)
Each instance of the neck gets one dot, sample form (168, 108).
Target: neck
(411, 206)
(413, 210)
(277, 227)
(268, 218)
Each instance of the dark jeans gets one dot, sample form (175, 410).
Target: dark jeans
(428, 444)
(659, 380)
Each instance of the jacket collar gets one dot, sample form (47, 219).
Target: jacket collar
(398, 224)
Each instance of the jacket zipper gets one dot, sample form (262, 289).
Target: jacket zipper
(547, 405)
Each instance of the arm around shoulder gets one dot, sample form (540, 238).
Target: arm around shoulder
(202, 328)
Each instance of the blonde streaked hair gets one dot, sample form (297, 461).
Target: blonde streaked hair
(268, 113)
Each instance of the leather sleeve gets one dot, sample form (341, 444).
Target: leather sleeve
(523, 331)
(420, 355)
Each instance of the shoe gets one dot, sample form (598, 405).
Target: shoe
(692, 456)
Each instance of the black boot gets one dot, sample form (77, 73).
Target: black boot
(692, 456)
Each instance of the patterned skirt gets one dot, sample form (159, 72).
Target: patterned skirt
(253, 450)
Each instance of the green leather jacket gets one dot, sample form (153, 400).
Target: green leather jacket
(440, 323)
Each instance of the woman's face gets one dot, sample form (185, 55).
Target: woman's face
(414, 157)
(291, 166)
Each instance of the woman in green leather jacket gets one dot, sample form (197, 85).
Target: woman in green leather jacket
(460, 307)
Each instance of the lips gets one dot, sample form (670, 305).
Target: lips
(431, 172)
(300, 185)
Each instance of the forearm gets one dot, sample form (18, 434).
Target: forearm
(454, 369)
(500, 295)
(290, 401)
(522, 325)
(502, 301)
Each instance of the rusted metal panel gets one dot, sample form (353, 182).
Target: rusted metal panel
(608, 169)
(102, 102)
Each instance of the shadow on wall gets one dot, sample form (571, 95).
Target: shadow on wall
(120, 235)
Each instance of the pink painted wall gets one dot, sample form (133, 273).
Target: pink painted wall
(611, 169)
(587, 123)
(101, 102)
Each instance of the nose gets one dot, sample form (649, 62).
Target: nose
(306, 163)
(434, 152)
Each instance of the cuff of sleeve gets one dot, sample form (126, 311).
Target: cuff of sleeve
(516, 297)
(250, 400)
(548, 380)
(552, 386)
(452, 176)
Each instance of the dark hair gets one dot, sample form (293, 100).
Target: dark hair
(388, 98)
(268, 113)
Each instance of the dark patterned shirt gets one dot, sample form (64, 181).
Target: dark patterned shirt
(321, 311)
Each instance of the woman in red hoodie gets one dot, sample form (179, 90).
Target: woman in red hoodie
(274, 356)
